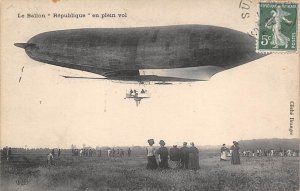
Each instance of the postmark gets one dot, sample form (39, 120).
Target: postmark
(277, 27)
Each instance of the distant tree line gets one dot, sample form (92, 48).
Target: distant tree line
(276, 144)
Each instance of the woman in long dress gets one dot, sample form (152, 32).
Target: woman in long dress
(152, 164)
(163, 155)
(274, 23)
(235, 158)
(224, 150)
(193, 157)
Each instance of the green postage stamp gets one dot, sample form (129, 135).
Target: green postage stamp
(277, 27)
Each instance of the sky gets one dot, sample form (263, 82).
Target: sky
(251, 101)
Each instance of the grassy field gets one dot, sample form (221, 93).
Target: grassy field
(30, 172)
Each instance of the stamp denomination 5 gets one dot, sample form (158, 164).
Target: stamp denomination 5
(277, 27)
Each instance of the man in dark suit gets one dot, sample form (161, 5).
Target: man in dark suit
(184, 156)
(174, 157)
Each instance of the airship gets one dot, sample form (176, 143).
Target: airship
(182, 53)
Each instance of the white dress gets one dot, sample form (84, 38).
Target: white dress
(223, 153)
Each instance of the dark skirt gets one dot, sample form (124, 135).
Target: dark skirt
(194, 161)
(235, 159)
(164, 163)
(152, 164)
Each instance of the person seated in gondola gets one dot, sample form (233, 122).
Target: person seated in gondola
(143, 91)
(131, 92)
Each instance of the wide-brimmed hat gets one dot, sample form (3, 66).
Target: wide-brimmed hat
(162, 142)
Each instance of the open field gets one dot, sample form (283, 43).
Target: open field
(30, 172)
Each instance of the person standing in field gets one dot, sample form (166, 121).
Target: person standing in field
(4, 152)
(174, 157)
(58, 153)
(109, 153)
(152, 164)
(260, 152)
(121, 153)
(224, 150)
(184, 156)
(193, 157)
(9, 153)
(163, 155)
(257, 152)
(50, 159)
(113, 153)
(235, 158)
(129, 152)
(53, 153)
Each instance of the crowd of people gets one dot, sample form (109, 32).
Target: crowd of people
(86, 152)
(117, 152)
(90, 152)
(6, 153)
(184, 157)
(259, 152)
(235, 154)
(175, 158)
(164, 158)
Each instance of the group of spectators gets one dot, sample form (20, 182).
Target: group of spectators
(86, 152)
(6, 153)
(233, 152)
(259, 152)
(175, 158)
(111, 153)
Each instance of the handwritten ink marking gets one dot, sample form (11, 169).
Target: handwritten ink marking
(21, 74)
